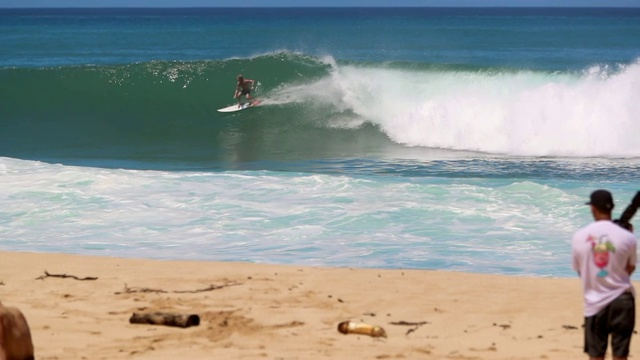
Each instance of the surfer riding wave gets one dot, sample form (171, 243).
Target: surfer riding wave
(243, 87)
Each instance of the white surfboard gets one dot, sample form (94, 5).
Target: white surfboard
(244, 106)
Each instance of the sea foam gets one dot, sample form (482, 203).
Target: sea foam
(594, 113)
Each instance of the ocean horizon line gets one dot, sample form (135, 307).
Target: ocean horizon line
(322, 7)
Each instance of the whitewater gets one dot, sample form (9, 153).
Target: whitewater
(593, 113)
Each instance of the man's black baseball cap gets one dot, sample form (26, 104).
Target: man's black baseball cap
(602, 200)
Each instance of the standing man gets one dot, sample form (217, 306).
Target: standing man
(604, 255)
(243, 87)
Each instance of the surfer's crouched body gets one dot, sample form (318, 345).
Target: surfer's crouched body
(243, 87)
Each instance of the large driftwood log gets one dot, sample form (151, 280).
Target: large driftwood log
(352, 327)
(168, 319)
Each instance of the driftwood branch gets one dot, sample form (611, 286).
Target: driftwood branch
(64, 276)
(409, 323)
(132, 290)
(128, 290)
(415, 325)
(168, 319)
(210, 288)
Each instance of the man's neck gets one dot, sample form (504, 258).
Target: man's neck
(599, 217)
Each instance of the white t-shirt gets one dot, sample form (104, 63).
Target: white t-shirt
(601, 252)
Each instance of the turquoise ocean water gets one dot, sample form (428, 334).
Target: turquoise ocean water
(457, 139)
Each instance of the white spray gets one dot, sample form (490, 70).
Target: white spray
(524, 113)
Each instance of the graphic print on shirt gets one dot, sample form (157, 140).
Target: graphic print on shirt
(601, 248)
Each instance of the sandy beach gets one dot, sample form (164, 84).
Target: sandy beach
(78, 307)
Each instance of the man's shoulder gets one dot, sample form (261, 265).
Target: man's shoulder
(614, 231)
(596, 225)
(582, 235)
(603, 227)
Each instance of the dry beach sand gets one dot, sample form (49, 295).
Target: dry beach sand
(260, 311)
